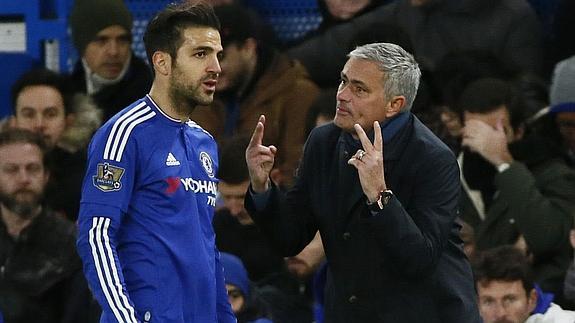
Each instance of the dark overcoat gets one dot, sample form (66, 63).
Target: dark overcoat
(402, 264)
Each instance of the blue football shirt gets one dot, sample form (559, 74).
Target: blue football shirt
(145, 233)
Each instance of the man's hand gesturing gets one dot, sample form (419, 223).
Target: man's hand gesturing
(260, 158)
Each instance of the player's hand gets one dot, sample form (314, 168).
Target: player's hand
(489, 142)
(260, 158)
(369, 162)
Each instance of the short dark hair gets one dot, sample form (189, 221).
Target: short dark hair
(23, 136)
(41, 77)
(503, 263)
(486, 95)
(324, 105)
(457, 69)
(164, 32)
(233, 168)
(238, 23)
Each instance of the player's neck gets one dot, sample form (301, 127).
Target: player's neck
(162, 98)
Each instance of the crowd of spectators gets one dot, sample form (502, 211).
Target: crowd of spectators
(498, 88)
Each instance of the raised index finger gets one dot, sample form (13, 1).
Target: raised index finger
(258, 135)
(367, 146)
(378, 141)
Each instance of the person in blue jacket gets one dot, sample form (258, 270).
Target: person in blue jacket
(145, 233)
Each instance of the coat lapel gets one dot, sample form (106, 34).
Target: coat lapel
(349, 190)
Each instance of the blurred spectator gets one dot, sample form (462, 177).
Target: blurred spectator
(108, 71)
(246, 306)
(334, 12)
(563, 105)
(562, 44)
(258, 80)
(44, 105)
(507, 293)
(373, 33)
(41, 279)
(506, 28)
(237, 233)
(215, 3)
(569, 285)
(453, 73)
(280, 279)
(516, 189)
(321, 111)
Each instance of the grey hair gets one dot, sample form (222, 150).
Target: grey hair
(401, 72)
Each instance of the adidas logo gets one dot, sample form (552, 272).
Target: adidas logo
(172, 161)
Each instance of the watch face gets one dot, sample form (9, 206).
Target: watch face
(386, 196)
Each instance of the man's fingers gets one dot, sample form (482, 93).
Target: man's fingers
(367, 146)
(378, 141)
(262, 151)
(352, 161)
(499, 125)
(258, 135)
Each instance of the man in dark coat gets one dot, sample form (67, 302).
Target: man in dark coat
(41, 277)
(386, 213)
(509, 29)
(108, 71)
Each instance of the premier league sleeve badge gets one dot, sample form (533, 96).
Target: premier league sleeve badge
(108, 177)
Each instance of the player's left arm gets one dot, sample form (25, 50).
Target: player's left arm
(106, 193)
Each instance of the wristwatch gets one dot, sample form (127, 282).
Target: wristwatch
(381, 202)
(502, 167)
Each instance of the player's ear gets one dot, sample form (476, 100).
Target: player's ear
(162, 63)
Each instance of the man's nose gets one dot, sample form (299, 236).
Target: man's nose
(499, 312)
(23, 177)
(214, 66)
(113, 48)
(343, 93)
(236, 208)
(39, 124)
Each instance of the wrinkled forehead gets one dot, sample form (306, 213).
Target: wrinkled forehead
(20, 154)
(498, 289)
(491, 117)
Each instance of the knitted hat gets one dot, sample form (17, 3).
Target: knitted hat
(89, 17)
(562, 94)
(235, 273)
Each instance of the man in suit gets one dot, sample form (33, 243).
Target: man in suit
(386, 212)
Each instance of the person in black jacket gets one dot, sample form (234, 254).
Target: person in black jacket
(108, 71)
(385, 201)
(41, 277)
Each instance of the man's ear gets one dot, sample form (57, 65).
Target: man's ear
(532, 300)
(46, 175)
(70, 119)
(519, 132)
(162, 63)
(395, 106)
(12, 122)
(250, 46)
